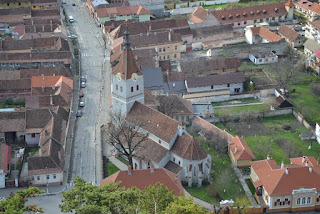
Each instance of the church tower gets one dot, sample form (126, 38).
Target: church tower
(127, 80)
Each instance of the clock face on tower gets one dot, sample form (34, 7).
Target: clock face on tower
(134, 77)
(119, 77)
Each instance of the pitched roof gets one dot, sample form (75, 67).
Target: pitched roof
(265, 33)
(46, 71)
(277, 182)
(315, 7)
(217, 79)
(49, 81)
(188, 148)
(173, 167)
(13, 121)
(5, 155)
(304, 4)
(153, 121)
(149, 99)
(250, 13)
(156, 38)
(152, 78)
(209, 65)
(36, 119)
(17, 84)
(311, 45)
(52, 56)
(308, 159)
(199, 15)
(288, 33)
(122, 11)
(142, 178)
(243, 150)
(175, 105)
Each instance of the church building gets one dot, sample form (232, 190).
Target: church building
(168, 145)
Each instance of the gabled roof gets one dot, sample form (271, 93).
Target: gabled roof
(142, 178)
(49, 81)
(154, 38)
(13, 121)
(305, 4)
(36, 119)
(199, 15)
(122, 11)
(153, 121)
(265, 33)
(149, 99)
(315, 7)
(288, 33)
(311, 45)
(188, 148)
(317, 53)
(175, 105)
(243, 150)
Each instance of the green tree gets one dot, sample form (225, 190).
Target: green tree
(15, 204)
(242, 204)
(185, 206)
(156, 198)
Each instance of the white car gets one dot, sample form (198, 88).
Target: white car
(81, 104)
(73, 36)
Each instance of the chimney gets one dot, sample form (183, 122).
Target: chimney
(310, 169)
(51, 101)
(307, 163)
(34, 28)
(169, 35)
(129, 170)
(53, 74)
(152, 168)
(42, 88)
(42, 75)
(136, 57)
(235, 149)
(42, 28)
(287, 170)
(282, 165)
(303, 159)
(268, 157)
(51, 27)
(150, 27)
(148, 33)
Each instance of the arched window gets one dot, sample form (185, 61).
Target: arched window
(309, 200)
(298, 200)
(137, 87)
(303, 200)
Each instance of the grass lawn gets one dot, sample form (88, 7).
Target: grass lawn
(267, 136)
(238, 110)
(112, 168)
(235, 102)
(221, 165)
(303, 99)
(250, 185)
(123, 160)
(242, 4)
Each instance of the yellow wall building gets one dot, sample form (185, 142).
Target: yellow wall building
(6, 4)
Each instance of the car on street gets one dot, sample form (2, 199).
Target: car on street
(83, 85)
(79, 113)
(73, 4)
(81, 94)
(83, 79)
(73, 36)
(81, 103)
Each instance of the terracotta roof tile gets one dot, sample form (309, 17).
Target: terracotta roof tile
(46, 71)
(315, 23)
(149, 99)
(142, 178)
(49, 81)
(199, 15)
(155, 38)
(288, 33)
(315, 7)
(304, 4)
(269, 35)
(175, 105)
(173, 167)
(12, 121)
(243, 150)
(122, 11)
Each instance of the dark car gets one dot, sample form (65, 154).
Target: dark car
(79, 113)
(73, 4)
(83, 79)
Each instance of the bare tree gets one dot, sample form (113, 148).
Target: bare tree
(262, 150)
(268, 103)
(248, 116)
(125, 137)
(224, 178)
(224, 114)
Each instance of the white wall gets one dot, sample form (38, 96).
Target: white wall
(263, 61)
(318, 132)
(43, 179)
(32, 141)
(231, 87)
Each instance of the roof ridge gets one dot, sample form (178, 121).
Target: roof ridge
(277, 183)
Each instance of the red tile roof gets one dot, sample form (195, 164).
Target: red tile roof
(198, 15)
(304, 4)
(142, 178)
(317, 53)
(315, 24)
(250, 13)
(265, 33)
(277, 182)
(48, 81)
(122, 11)
(243, 150)
(288, 33)
(315, 7)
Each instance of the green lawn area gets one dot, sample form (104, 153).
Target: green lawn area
(238, 110)
(11, 104)
(250, 185)
(303, 100)
(223, 176)
(241, 4)
(112, 168)
(123, 160)
(268, 136)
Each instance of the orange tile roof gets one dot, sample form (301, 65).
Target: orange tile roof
(142, 178)
(265, 33)
(199, 15)
(122, 11)
(243, 150)
(276, 182)
(315, 7)
(288, 33)
(311, 162)
(49, 81)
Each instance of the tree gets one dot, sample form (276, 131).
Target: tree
(15, 204)
(268, 103)
(262, 150)
(289, 52)
(242, 204)
(315, 89)
(231, 5)
(224, 114)
(224, 178)
(185, 206)
(125, 137)
(248, 116)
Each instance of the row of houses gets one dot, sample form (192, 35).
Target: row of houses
(33, 4)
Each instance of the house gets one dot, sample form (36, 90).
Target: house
(44, 4)
(211, 66)
(314, 11)
(153, 79)
(282, 102)
(202, 18)
(290, 187)
(231, 81)
(313, 30)
(6, 4)
(5, 158)
(15, 87)
(318, 132)
(176, 107)
(242, 17)
(92, 4)
(263, 58)
(174, 82)
(310, 46)
(240, 153)
(143, 178)
(168, 145)
(47, 167)
(138, 13)
(150, 99)
(14, 16)
(203, 110)
(156, 7)
(291, 36)
(256, 35)
(302, 6)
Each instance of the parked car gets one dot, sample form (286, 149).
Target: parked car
(79, 113)
(81, 103)
(83, 85)
(73, 36)
(81, 94)
(83, 79)
(73, 4)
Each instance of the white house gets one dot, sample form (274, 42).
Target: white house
(312, 30)
(263, 58)
(318, 132)
(256, 35)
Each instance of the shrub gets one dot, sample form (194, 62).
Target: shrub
(211, 191)
(315, 89)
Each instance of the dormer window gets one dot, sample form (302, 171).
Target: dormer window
(244, 14)
(276, 10)
(251, 13)
(230, 16)
(238, 15)
(223, 17)
(264, 11)
(258, 11)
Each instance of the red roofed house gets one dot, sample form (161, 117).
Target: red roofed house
(5, 161)
(240, 153)
(142, 178)
(314, 11)
(314, 61)
(303, 6)
(291, 187)
(202, 18)
(256, 35)
(291, 36)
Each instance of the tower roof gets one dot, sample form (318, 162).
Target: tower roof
(127, 64)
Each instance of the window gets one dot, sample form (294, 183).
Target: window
(117, 87)
(54, 176)
(176, 47)
(228, 85)
(212, 87)
(48, 176)
(137, 87)
(159, 57)
(303, 200)
(261, 20)
(164, 57)
(19, 4)
(174, 160)
(182, 117)
(286, 202)
(309, 200)
(179, 162)
(132, 89)
(33, 135)
(175, 55)
(254, 21)
(159, 49)
(160, 141)
(38, 178)
(245, 22)
(168, 56)
(238, 23)
(164, 49)
(8, 4)
(121, 89)
(298, 200)
(273, 18)
(32, 178)
(267, 19)
(260, 60)
(277, 202)
(177, 118)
